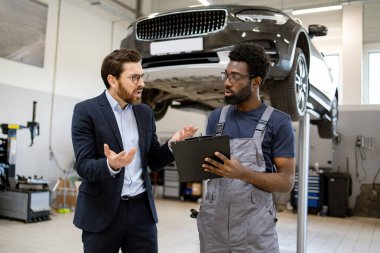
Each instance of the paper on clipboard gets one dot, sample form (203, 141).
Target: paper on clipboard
(190, 154)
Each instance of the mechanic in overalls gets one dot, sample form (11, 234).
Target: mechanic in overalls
(238, 213)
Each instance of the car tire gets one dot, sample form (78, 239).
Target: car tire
(291, 94)
(329, 128)
(150, 97)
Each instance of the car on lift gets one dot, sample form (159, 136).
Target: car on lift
(185, 50)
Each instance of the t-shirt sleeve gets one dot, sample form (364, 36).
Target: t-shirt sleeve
(212, 122)
(284, 139)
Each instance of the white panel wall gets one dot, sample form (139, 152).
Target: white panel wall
(352, 54)
(77, 46)
(358, 121)
(176, 119)
(371, 33)
(331, 43)
(84, 40)
(28, 76)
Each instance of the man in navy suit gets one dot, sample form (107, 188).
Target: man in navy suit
(114, 139)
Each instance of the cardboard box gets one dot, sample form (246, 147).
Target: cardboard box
(64, 196)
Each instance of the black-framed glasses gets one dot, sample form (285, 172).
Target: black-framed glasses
(136, 78)
(233, 77)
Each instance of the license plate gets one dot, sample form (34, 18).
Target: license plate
(176, 46)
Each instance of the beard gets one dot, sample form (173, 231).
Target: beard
(128, 97)
(240, 96)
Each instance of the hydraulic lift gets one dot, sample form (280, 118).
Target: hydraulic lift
(21, 198)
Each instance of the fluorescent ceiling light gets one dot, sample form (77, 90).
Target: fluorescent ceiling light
(318, 9)
(204, 2)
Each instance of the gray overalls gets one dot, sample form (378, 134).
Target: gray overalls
(237, 217)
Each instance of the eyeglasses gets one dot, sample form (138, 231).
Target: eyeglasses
(232, 78)
(137, 78)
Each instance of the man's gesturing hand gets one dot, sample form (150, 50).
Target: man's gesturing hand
(117, 161)
(183, 133)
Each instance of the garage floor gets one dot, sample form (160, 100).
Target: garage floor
(177, 233)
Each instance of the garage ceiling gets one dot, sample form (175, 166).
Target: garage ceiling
(134, 6)
(163, 5)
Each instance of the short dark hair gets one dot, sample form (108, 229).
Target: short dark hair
(254, 55)
(113, 63)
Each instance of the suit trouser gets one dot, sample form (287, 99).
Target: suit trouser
(133, 230)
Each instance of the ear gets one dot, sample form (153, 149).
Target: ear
(256, 81)
(112, 80)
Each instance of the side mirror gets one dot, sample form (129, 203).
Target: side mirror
(317, 30)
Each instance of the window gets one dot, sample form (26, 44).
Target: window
(373, 77)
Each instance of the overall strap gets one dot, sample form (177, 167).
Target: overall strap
(262, 124)
(222, 119)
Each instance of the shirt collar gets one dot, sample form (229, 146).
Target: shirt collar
(114, 104)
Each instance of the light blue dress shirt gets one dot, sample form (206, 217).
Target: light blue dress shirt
(126, 121)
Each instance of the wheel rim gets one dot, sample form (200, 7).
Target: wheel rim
(301, 83)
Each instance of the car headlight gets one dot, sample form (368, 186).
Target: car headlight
(258, 16)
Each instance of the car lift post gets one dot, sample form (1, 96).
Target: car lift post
(303, 175)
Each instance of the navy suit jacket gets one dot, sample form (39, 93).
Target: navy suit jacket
(94, 124)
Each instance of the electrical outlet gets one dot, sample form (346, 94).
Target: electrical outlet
(365, 142)
(371, 143)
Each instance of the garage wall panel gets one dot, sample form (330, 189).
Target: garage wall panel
(33, 160)
(28, 76)
(83, 41)
(354, 122)
(331, 43)
(371, 21)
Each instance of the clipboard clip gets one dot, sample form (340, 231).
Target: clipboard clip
(198, 137)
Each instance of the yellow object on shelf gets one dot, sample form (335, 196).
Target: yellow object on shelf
(63, 210)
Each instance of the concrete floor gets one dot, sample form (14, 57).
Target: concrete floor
(177, 232)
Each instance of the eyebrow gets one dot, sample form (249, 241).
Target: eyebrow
(234, 72)
(135, 74)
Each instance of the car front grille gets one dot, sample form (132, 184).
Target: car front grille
(181, 24)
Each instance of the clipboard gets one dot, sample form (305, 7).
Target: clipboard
(190, 154)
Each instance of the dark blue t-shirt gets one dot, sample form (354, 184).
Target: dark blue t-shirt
(279, 140)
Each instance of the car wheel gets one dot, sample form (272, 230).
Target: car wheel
(329, 128)
(151, 98)
(291, 95)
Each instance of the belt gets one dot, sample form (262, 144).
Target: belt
(129, 198)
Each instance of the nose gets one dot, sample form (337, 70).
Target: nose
(141, 83)
(227, 82)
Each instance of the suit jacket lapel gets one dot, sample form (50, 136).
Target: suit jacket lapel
(110, 118)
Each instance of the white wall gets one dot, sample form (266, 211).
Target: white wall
(28, 76)
(355, 121)
(77, 40)
(352, 54)
(84, 40)
(176, 119)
